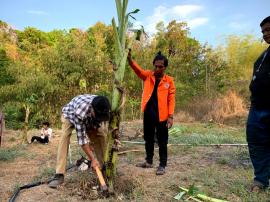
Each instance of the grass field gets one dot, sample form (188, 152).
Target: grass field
(222, 172)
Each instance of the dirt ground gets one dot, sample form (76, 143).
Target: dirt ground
(185, 166)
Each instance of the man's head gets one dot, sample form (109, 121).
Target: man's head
(160, 63)
(265, 26)
(102, 108)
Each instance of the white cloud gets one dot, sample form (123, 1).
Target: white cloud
(238, 25)
(36, 12)
(197, 22)
(187, 13)
(185, 10)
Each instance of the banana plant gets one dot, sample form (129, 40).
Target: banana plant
(120, 58)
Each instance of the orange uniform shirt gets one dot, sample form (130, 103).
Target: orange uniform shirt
(165, 92)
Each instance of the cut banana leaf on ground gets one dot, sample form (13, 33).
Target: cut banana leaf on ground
(180, 195)
(196, 196)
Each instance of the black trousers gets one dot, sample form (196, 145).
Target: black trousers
(150, 129)
(39, 139)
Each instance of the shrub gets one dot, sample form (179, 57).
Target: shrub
(13, 115)
(10, 153)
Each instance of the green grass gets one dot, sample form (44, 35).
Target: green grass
(219, 172)
(11, 153)
(47, 172)
(207, 134)
(227, 184)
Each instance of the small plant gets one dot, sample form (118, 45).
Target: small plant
(16, 187)
(223, 161)
(130, 158)
(12, 139)
(47, 172)
(10, 153)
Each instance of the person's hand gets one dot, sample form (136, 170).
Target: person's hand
(169, 122)
(95, 164)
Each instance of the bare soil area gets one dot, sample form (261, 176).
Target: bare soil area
(209, 168)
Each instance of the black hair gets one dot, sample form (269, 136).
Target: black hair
(46, 123)
(102, 108)
(265, 20)
(159, 56)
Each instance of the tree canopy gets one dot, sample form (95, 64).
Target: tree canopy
(57, 65)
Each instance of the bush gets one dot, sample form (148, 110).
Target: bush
(36, 120)
(14, 115)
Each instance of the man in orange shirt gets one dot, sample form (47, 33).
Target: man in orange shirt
(158, 102)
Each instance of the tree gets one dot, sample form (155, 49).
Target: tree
(5, 77)
(28, 104)
(239, 53)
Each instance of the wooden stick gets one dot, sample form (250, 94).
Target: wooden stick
(128, 151)
(101, 179)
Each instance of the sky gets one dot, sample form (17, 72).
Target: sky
(210, 21)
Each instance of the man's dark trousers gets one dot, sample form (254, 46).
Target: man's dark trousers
(258, 138)
(152, 127)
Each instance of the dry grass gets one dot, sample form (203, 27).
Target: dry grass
(219, 172)
(226, 107)
(183, 116)
(219, 110)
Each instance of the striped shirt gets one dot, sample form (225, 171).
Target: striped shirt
(77, 111)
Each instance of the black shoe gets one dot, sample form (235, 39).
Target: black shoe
(57, 180)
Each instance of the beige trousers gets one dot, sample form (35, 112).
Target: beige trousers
(97, 140)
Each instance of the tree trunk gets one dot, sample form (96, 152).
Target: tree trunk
(25, 127)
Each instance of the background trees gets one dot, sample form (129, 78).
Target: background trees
(55, 66)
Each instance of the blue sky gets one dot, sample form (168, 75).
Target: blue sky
(209, 20)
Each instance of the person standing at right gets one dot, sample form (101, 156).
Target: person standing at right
(158, 102)
(258, 123)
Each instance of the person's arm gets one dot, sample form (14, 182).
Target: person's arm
(49, 132)
(88, 151)
(141, 73)
(83, 141)
(171, 104)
